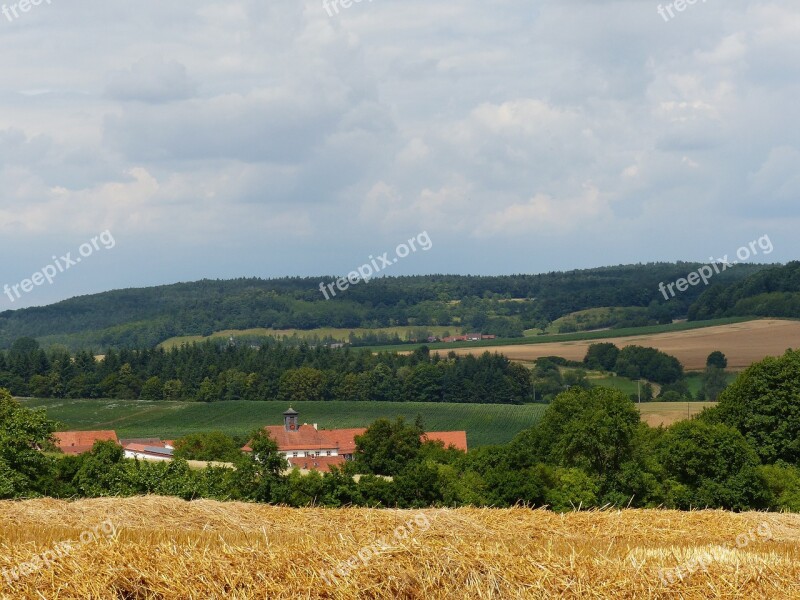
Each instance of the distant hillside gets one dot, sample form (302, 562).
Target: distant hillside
(147, 316)
(772, 292)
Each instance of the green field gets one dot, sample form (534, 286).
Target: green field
(339, 334)
(694, 380)
(623, 384)
(484, 423)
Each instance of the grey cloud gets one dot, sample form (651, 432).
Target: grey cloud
(152, 80)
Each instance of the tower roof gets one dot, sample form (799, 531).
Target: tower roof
(290, 412)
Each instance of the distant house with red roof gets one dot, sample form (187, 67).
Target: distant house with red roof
(454, 338)
(308, 447)
(456, 439)
(78, 442)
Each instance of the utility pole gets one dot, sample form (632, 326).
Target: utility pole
(639, 383)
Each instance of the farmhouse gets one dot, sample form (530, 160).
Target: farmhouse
(78, 442)
(309, 447)
(148, 449)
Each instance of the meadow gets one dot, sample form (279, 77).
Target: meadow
(484, 423)
(150, 547)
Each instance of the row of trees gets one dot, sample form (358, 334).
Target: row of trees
(635, 362)
(273, 371)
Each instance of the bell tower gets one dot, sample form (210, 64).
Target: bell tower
(290, 418)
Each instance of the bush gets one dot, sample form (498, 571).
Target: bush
(764, 404)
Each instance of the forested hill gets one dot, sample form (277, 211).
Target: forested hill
(772, 292)
(146, 316)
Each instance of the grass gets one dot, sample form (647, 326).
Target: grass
(571, 337)
(148, 548)
(340, 334)
(484, 423)
(623, 384)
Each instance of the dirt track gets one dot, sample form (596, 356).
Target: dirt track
(742, 343)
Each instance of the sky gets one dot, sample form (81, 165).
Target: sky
(264, 139)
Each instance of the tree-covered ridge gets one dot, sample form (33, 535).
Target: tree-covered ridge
(771, 292)
(211, 372)
(146, 316)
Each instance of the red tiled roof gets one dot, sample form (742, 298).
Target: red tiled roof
(320, 463)
(308, 438)
(343, 439)
(157, 451)
(78, 442)
(458, 439)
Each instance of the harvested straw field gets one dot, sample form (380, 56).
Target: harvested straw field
(743, 344)
(145, 548)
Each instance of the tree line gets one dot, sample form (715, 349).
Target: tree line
(210, 372)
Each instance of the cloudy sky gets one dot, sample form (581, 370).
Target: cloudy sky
(264, 138)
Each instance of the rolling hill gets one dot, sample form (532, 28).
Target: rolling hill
(145, 317)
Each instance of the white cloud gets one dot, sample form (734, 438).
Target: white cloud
(280, 132)
(546, 214)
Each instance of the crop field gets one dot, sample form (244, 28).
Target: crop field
(743, 343)
(339, 334)
(148, 548)
(484, 423)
